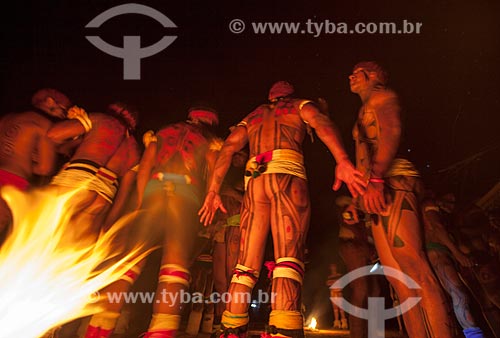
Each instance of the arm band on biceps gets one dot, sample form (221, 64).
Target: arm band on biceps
(288, 267)
(131, 275)
(303, 103)
(173, 273)
(244, 275)
(85, 121)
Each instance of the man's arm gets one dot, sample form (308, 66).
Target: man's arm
(65, 131)
(78, 124)
(146, 167)
(210, 158)
(234, 143)
(389, 120)
(386, 112)
(330, 136)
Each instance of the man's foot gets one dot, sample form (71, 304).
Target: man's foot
(97, 332)
(272, 331)
(343, 324)
(160, 334)
(336, 324)
(237, 332)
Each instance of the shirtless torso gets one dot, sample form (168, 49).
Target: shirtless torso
(276, 200)
(392, 201)
(106, 155)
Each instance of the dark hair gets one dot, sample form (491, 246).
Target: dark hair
(42, 94)
(130, 120)
(372, 66)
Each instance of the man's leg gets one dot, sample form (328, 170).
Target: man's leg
(447, 274)
(254, 229)
(356, 254)
(178, 217)
(398, 238)
(221, 281)
(289, 224)
(102, 324)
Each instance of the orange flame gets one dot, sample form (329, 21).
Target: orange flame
(44, 283)
(313, 324)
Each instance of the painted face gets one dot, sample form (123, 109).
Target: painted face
(359, 80)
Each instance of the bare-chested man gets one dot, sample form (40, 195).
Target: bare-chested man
(391, 199)
(25, 148)
(171, 183)
(103, 165)
(276, 199)
(443, 252)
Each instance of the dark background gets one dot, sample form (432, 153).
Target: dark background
(447, 77)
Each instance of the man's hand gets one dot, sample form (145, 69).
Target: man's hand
(345, 172)
(81, 115)
(149, 137)
(209, 208)
(374, 199)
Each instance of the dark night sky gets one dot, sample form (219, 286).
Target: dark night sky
(447, 76)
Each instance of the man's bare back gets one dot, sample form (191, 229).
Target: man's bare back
(182, 147)
(276, 126)
(106, 144)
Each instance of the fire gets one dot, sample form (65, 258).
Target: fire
(313, 324)
(45, 283)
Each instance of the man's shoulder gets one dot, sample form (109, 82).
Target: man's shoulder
(28, 117)
(175, 125)
(383, 95)
(259, 109)
(30, 114)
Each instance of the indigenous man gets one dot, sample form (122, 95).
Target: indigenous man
(356, 248)
(276, 199)
(443, 252)
(171, 182)
(103, 164)
(25, 148)
(391, 199)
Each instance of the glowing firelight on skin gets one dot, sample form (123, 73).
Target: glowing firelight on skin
(44, 282)
(313, 324)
